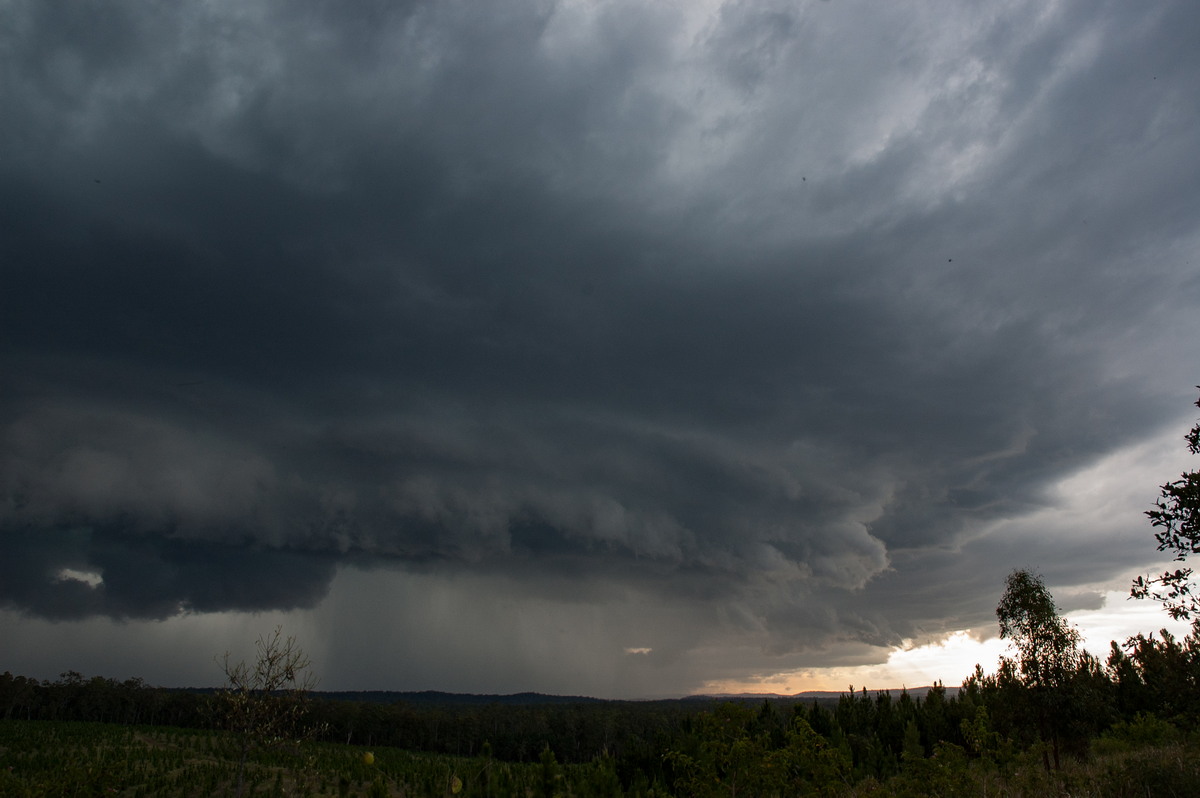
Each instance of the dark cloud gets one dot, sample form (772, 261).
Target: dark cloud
(776, 315)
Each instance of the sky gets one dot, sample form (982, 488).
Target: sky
(621, 349)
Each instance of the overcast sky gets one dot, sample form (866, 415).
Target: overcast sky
(608, 348)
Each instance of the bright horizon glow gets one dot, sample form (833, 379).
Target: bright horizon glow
(953, 659)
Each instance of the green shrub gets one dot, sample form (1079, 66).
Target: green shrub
(1144, 730)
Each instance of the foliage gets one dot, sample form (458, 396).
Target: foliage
(1047, 646)
(1158, 676)
(1144, 730)
(1055, 687)
(735, 755)
(1176, 516)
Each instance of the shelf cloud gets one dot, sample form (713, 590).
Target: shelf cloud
(735, 337)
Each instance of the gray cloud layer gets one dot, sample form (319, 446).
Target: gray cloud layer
(767, 309)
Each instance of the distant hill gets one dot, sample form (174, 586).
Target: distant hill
(437, 698)
(443, 699)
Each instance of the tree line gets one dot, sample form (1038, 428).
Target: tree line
(1051, 695)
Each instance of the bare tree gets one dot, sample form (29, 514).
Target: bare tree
(265, 703)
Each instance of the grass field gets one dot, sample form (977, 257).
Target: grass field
(44, 758)
(53, 759)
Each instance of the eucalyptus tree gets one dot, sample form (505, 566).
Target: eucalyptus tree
(1048, 654)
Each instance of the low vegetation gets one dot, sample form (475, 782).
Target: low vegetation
(69, 758)
(66, 758)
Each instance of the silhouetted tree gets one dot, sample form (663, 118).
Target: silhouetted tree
(1048, 654)
(1159, 676)
(1177, 517)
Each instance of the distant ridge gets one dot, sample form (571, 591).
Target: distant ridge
(438, 698)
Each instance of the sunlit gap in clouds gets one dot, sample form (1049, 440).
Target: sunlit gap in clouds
(1101, 503)
(954, 658)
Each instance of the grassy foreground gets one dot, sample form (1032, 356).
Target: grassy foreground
(50, 758)
(1167, 770)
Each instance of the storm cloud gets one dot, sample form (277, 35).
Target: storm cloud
(775, 322)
